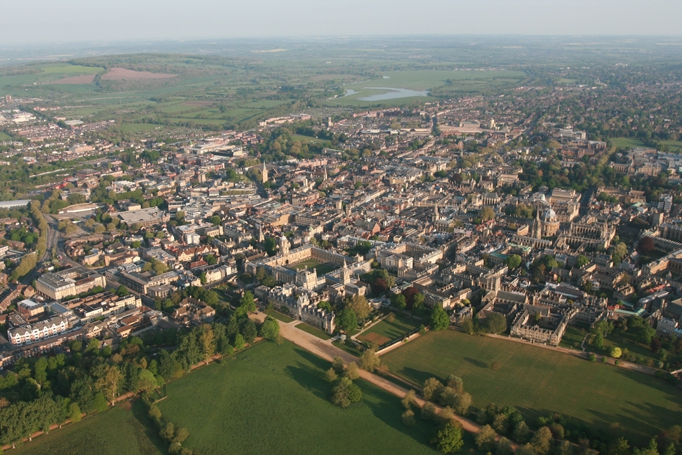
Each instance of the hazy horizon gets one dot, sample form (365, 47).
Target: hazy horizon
(76, 21)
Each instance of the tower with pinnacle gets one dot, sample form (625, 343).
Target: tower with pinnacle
(264, 173)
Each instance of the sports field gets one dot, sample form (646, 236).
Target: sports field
(386, 331)
(538, 381)
(626, 142)
(273, 399)
(116, 432)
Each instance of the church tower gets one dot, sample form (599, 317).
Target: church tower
(345, 274)
(264, 173)
(537, 225)
(436, 214)
(261, 237)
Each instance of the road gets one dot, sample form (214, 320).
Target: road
(326, 350)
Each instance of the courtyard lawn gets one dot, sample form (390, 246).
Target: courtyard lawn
(538, 381)
(321, 267)
(313, 331)
(116, 431)
(386, 331)
(273, 400)
(573, 338)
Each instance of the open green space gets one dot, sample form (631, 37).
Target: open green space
(313, 331)
(636, 351)
(66, 68)
(388, 331)
(116, 431)
(626, 142)
(4, 137)
(273, 399)
(674, 146)
(539, 381)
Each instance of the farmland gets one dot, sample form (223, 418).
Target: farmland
(273, 399)
(538, 381)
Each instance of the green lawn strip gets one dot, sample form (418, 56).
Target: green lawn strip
(348, 347)
(539, 381)
(274, 399)
(279, 316)
(313, 331)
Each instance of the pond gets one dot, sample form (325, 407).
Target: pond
(393, 93)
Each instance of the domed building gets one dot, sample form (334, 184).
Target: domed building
(550, 223)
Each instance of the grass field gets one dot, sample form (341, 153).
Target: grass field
(538, 381)
(313, 331)
(627, 142)
(69, 69)
(4, 137)
(386, 331)
(273, 399)
(116, 432)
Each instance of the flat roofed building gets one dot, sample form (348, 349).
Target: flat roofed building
(69, 282)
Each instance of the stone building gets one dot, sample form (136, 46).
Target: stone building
(302, 305)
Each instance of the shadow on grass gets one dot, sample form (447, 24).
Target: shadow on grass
(140, 413)
(415, 376)
(386, 407)
(311, 378)
(475, 362)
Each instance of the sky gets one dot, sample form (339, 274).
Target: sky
(72, 21)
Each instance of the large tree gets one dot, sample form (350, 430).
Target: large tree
(270, 329)
(345, 393)
(495, 323)
(347, 320)
(439, 318)
(449, 438)
(360, 306)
